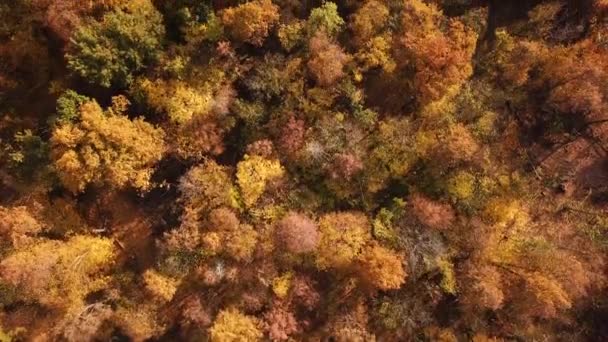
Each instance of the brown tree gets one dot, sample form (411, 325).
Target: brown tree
(433, 214)
(440, 59)
(327, 59)
(297, 233)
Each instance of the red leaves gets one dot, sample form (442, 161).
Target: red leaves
(431, 213)
(297, 233)
(327, 59)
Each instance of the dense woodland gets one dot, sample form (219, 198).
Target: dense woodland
(284, 170)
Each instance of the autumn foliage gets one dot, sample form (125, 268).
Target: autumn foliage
(282, 170)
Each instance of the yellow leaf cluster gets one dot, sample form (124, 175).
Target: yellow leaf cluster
(180, 101)
(448, 280)
(343, 237)
(206, 187)
(253, 173)
(251, 21)
(106, 148)
(382, 268)
(233, 326)
(281, 285)
(60, 274)
(138, 321)
(461, 186)
(160, 286)
(377, 53)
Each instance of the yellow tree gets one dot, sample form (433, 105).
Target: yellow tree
(231, 325)
(251, 22)
(343, 237)
(382, 268)
(253, 174)
(59, 274)
(368, 21)
(106, 148)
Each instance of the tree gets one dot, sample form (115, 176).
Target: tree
(461, 186)
(253, 174)
(139, 321)
(18, 226)
(376, 53)
(280, 322)
(382, 268)
(431, 213)
(230, 325)
(199, 138)
(194, 313)
(343, 237)
(297, 233)
(68, 106)
(345, 166)
(484, 288)
(160, 286)
(206, 187)
(391, 154)
(326, 19)
(304, 293)
(251, 22)
(440, 59)
(291, 35)
(84, 325)
(226, 234)
(327, 59)
(368, 21)
(59, 274)
(64, 16)
(458, 146)
(292, 138)
(177, 99)
(106, 148)
(112, 51)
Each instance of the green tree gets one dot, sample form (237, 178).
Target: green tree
(325, 18)
(112, 51)
(68, 107)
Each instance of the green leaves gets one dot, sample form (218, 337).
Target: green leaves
(325, 18)
(110, 52)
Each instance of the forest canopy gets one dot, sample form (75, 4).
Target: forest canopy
(274, 170)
